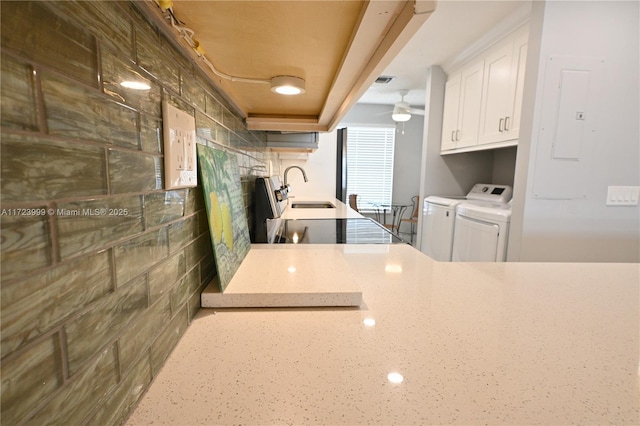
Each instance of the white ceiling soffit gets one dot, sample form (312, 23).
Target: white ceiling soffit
(338, 47)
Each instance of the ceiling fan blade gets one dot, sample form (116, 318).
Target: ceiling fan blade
(385, 112)
(417, 111)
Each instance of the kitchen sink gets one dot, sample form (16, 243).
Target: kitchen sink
(312, 205)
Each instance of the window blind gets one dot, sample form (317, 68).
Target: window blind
(370, 163)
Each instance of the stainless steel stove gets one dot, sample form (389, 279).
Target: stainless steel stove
(329, 231)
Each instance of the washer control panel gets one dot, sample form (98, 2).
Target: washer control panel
(490, 192)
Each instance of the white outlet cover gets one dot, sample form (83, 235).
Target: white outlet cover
(623, 195)
(180, 161)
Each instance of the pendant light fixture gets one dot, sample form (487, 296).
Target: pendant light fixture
(402, 109)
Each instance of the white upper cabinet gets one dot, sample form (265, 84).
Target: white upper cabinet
(502, 90)
(483, 100)
(450, 112)
(461, 116)
(519, 59)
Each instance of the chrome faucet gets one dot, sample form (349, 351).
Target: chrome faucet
(286, 171)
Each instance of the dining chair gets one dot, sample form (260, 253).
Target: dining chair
(353, 202)
(413, 220)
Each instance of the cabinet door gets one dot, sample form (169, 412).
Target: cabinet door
(496, 105)
(450, 113)
(519, 63)
(470, 101)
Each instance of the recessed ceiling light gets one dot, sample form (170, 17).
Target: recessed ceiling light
(287, 85)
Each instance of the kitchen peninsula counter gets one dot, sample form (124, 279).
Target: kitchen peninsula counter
(476, 343)
(267, 278)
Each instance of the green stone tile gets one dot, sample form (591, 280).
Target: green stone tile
(142, 27)
(24, 244)
(33, 30)
(200, 248)
(33, 307)
(77, 398)
(17, 104)
(164, 276)
(213, 107)
(121, 401)
(223, 136)
(194, 305)
(33, 169)
(195, 200)
(203, 223)
(29, 378)
(150, 134)
(76, 112)
(167, 340)
(116, 70)
(182, 233)
(134, 172)
(193, 91)
(163, 207)
(237, 142)
(109, 20)
(206, 127)
(207, 269)
(106, 319)
(136, 339)
(138, 255)
(187, 286)
(158, 62)
(98, 223)
(230, 121)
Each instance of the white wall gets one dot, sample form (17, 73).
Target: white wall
(582, 228)
(320, 167)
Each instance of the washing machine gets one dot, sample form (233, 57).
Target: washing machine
(481, 232)
(439, 214)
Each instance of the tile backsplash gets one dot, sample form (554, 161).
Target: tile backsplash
(101, 268)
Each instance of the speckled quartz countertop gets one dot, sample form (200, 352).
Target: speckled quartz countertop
(475, 343)
(302, 282)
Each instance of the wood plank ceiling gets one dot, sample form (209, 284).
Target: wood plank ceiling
(338, 47)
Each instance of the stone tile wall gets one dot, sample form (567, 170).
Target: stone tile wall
(101, 268)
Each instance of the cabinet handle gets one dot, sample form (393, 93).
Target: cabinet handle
(506, 123)
(453, 132)
(457, 135)
(500, 125)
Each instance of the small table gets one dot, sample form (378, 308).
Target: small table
(397, 211)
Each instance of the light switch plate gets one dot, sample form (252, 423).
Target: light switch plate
(623, 195)
(180, 164)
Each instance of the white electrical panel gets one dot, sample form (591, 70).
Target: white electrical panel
(179, 131)
(567, 130)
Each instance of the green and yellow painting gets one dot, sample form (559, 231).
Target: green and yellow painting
(220, 179)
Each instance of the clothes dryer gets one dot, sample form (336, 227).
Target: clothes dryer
(439, 213)
(481, 232)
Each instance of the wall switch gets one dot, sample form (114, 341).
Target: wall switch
(179, 132)
(623, 195)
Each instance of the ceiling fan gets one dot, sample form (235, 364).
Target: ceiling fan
(402, 110)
